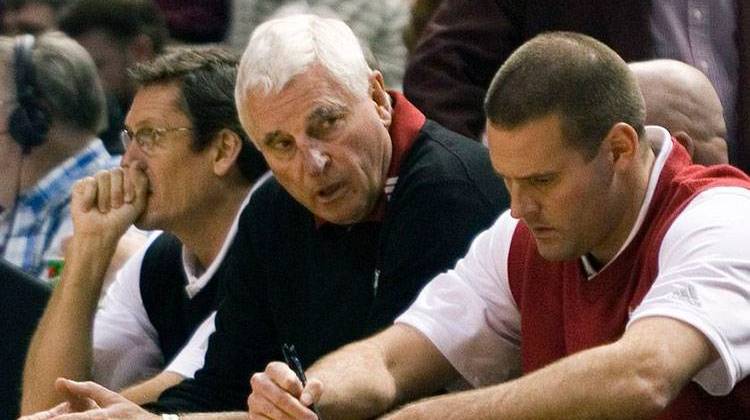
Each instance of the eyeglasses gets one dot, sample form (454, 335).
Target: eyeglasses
(146, 137)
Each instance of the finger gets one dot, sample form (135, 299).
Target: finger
(284, 377)
(128, 184)
(103, 190)
(61, 408)
(84, 194)
(271, 399)
(261, 408)
(90, 390)
(57, 410)
(253, 416)
(312, 392)
(95, 414)
(75, 402)
(138, 182)
(116, 187)
(44, 415)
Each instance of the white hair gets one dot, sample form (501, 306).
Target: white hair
(280, 49)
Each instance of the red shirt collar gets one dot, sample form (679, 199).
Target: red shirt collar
(406, 121)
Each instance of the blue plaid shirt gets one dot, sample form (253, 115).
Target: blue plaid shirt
(41, 216)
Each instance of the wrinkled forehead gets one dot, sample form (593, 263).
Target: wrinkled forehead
(300, 99)
(316, 80)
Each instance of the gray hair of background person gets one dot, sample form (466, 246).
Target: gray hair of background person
(206, 78)
(122, 19)
(65, 79)
(280, 49)
(572, 75)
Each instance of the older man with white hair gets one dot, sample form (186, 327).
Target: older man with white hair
(370, 201)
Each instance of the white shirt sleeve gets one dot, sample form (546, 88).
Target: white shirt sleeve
(126, 349)
(704, 281)
(469, 313)
(191, 357)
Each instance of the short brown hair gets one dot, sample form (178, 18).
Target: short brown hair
(206, 78)
(572, 75)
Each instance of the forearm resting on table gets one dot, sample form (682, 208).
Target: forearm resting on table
(636, 377)
(149, 390)
(61, 345)
(367, 378)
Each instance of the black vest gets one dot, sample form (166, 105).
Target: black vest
(172, 313)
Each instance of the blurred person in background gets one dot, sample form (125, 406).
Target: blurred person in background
(51, 107)
(467, 40)
(681, 99)
(196, 21)
(30, 16)
(118, 34)
(419, 14)
(379, 25)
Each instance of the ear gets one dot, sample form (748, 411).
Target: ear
(623, 145)
(141, 48)
(686, 141)
(226, 148)
(380, 97)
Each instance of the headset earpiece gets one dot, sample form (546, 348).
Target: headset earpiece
(28, 123)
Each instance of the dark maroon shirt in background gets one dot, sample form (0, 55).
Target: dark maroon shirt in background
(196, 21)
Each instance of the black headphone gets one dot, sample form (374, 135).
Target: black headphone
(28, 122)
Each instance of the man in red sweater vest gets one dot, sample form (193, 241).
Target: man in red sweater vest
(616, 286)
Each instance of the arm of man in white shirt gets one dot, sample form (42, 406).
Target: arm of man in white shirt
(184, 365)
(102, 209)
(634, 377)
(149, 390)
(644, 371)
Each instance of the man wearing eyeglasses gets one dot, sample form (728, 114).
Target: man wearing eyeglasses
(188, 169)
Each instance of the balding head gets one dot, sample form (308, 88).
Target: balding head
(681, 99)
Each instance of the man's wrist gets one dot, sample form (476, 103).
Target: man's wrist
(93, 246)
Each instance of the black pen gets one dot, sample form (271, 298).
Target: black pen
(291, 358)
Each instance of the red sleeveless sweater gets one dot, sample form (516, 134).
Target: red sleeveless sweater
(563, 313)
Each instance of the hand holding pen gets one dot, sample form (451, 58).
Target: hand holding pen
(291, 358)
(281, 391)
